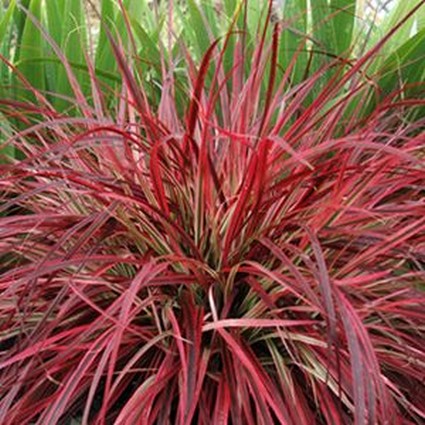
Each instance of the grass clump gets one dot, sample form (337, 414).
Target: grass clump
(249, 253)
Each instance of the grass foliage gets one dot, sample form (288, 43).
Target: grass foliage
(226, 237)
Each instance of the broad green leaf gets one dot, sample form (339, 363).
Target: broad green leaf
(404, 68)
(324, 44)
(20, 18)
(231, 8)
(197, 29)
(136, 8)
(398, 13)
(332, 34)
(210, 15)
(256, 17)
(149, 50)
(118, 24)
(292, 38)
(401, 71)
(104, 58)
(402, 35)
(149, 66)
(322, 30)
(6, 22)
(135, 11)
(344, 12)
(55, 12)
(332, 27)
(32, 44)
(77, 67)
(73, 45)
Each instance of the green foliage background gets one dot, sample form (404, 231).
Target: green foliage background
(50, 45)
